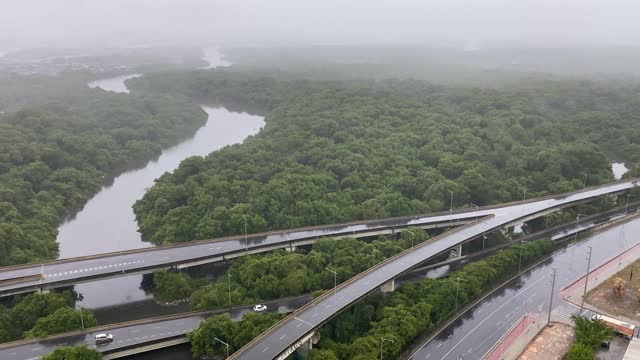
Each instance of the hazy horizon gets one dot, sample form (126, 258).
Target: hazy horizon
(457, 23)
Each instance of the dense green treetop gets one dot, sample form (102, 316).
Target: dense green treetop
(74, 353)
(54, 155)
(416, 307)
(339, 151)
(37, 315)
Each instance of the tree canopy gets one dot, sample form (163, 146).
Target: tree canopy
(73, 353)
(347, 150)
(55, 155)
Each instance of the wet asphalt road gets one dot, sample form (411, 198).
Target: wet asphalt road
(482, 326)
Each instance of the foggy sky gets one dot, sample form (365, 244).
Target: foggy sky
(106, 23)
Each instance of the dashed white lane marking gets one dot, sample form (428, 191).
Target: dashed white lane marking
(440, 344)
(265, 349)
(91, 269)
(283, 336)
(426, 357)
(36, 349)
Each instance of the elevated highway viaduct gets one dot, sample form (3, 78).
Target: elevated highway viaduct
(297, 329)
(67, 272)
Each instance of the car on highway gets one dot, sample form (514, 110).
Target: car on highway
(104, 338)
(260, 308)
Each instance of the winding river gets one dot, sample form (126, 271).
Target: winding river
(107, 223)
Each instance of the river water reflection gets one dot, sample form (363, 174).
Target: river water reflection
(107, 222)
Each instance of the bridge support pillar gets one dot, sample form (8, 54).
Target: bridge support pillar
(43, 291)
(459, 250)
(389, 286)
(290, 249)
(304, 351)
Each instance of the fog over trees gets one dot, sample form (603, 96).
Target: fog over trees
(541, 23)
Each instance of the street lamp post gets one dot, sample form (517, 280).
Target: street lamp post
(382, 340)
(81, 319)
(223, 343)
(229, 283)
(524, 192)
(457, 291)
(476, 206)
(520, 261)
(451, 206)
(413, 235)
(585, 179)
(553, 284)
(246, 239)
(335, 279)
(626, 205)
(577, 226)
(586, 279)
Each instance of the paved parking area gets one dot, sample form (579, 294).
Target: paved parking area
(616, 351)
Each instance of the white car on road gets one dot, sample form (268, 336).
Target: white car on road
(260, 308)
(104, 338)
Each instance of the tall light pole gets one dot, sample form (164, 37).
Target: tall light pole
(553, 284)
(42, 275)
(335, 279)
(484, 237)
(246, 240)
(224, 343)
(586, 279)
(382, 340)
(584, 185)
(457, 290)
(626, 205)
(413, 235)
(635, 174)
(577, 226)
(524, 192)
(520, 261)
(476, 206)
(81, 319)
(451, 207)
(229, 283)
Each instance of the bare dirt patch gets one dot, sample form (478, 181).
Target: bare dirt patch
(625, 303)
(552, 342)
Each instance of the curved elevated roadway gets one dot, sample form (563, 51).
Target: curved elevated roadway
(287, 335)
(66, 272)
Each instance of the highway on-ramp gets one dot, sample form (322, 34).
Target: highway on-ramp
(290, 333)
